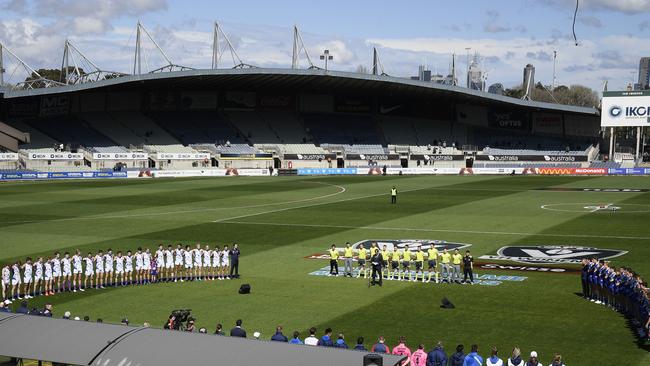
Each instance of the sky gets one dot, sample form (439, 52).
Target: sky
(507, 34)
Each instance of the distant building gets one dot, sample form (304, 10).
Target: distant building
(529, 79)
(424, 74)
(475, 75)
(496, 88)
(644, 74)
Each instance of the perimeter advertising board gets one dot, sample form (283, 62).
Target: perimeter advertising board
(626, 109)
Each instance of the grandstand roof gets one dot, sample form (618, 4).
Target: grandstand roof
(88, 343)
(294, 79)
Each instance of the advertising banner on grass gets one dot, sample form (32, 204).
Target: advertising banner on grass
(572, 171)
(61, 175)
(327, 171)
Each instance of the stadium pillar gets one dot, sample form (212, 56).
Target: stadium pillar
(638, 143)
(611, 143)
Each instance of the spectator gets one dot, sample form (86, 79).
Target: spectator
(557, 360)
(402, 350)
(146, 325)
(419, 357)
(278, 336)
(257, 335)
(23, 309)
(380, 346)
(4, 308)
(326, 339)
(219, 330)
(203, 330)
(458, 358)
(494, 360)
(311, 340)
(125, 321)
(359, 346)
(515, 358)
(340, 342)
(296, 338)
(533, 361)
(238, 331)
(437, 357)
(86, 318)
(190, 326)
(473, 358)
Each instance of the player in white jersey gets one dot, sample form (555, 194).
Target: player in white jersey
(66, 263)
(6, 283)
(128, 268)
(178, 262)
(216, 261)
(146, 265)
(38, 277)
(90, 270)
(119, 269)
(15, 280)
(207, 263)
(56, 272)
(99, 270)
(169, 263)
(27, 277)
(225, 263)
(138, 266)
(108, 267)
(48, 277)
(198, 262)
(77, 270)
(188, 262)
(160, 261)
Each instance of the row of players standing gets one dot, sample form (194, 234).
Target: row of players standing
(392, 260)
(47, 276)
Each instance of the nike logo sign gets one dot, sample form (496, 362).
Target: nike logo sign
(385, 110)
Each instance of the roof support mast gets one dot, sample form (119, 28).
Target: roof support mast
(298, 48)
(216, 49)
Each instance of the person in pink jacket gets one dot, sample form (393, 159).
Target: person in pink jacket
(402, 350)
(419, 357)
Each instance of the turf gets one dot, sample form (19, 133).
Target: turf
(279, 221)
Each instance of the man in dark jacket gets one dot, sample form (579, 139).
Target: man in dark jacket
(437, 357)
(458, 358)
(359, 346)
(234, 261)
(278, 336)
(238, 331)
(23, 309)
(376, 261)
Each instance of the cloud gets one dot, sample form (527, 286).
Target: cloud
(622, 6)
(539, 56)
(16, 6)
(644, 25)
(493, 25)
(590, 21)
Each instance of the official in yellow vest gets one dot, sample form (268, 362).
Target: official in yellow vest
(456, 259)
(393, 195)
(348, 257)
(432, 261)
(445, 262)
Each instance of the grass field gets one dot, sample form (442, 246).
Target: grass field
(279, 221)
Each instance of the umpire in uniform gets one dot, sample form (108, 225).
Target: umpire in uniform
(377, 262)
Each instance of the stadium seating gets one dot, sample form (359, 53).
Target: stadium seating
(38, 139)
(343, 129)
(253, 126)
(144, 128)
(71, 130)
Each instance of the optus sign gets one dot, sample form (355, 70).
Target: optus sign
(571, 171)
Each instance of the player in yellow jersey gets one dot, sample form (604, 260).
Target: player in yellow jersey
(406, 263)
(385, 256)
(394, 263)
(373, 248)
(334, 261)
(432, 261)
(419, 264)
(361, 259)
(348, 256)
(445, 260)
(456, 259)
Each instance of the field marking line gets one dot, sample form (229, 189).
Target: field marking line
(433, 230)
(340, 189)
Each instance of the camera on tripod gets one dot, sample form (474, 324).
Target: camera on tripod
(178, 318)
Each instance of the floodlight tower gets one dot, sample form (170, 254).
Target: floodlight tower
(327, 57)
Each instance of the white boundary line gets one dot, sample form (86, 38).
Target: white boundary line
(433, 230)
